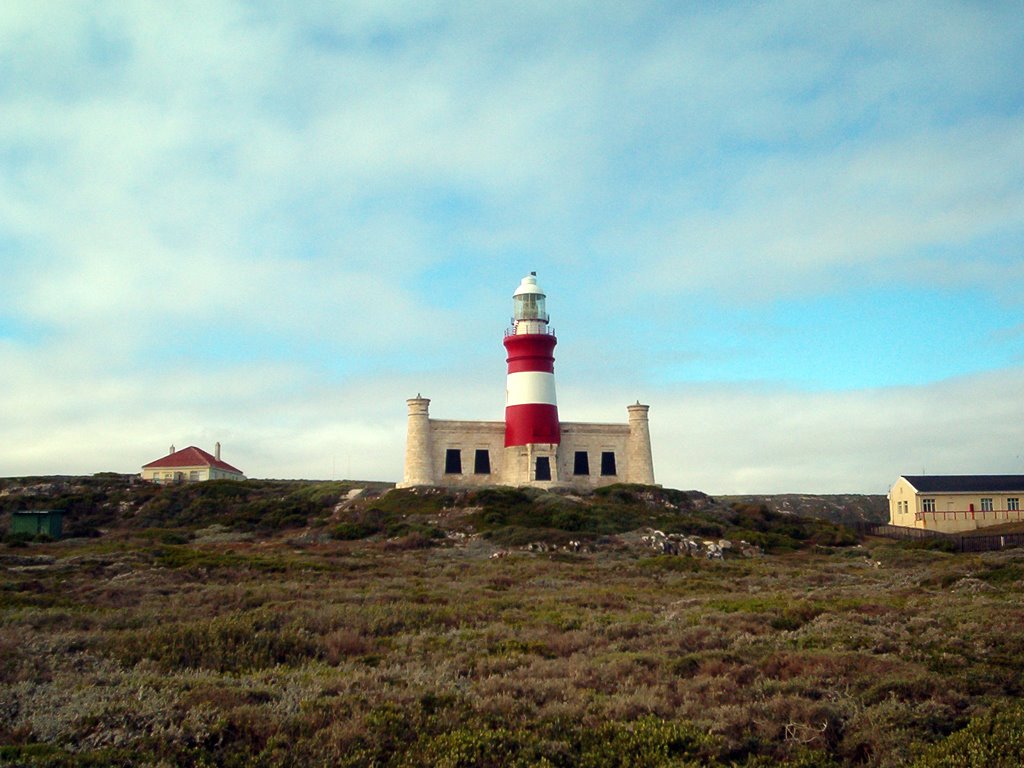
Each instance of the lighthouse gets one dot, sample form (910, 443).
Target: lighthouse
(531, 446)
(531, 409)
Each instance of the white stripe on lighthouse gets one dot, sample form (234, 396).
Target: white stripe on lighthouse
(528, 387)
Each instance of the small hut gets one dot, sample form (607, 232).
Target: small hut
(38, 521)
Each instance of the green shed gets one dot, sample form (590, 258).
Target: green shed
(36, 521)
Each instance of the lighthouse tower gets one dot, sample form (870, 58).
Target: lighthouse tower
(532, 431)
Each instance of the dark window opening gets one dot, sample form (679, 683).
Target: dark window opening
(608, 463)
(582, 465)
(453, 462)
(482, 462)
(543, 468)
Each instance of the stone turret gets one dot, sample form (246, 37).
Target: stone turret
(639, 461)
(419, 464)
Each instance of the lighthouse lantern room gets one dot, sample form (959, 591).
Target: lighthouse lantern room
(529, 313)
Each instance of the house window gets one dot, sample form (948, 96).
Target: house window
(608, 463)
(193, 475)
(482, 462)
(543, 468)
(1013, 505)
(986, 505)
(582, 464)
(453, 461)
(927, 505)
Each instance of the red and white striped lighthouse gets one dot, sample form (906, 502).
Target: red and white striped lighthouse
(531, 412)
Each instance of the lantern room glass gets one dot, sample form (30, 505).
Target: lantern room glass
(529, 306)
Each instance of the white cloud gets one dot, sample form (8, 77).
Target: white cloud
(800, 224)
(319, 194)
(756, 438)
(764, 440)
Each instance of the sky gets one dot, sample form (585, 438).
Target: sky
(795, 229)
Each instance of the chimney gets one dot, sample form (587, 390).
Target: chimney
(216, 451)
(171, 451)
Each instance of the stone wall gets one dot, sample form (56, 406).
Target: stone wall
(467, 437)
(595, 440)
(444, 453)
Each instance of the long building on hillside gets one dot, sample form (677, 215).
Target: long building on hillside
(955, 503)
(531, 446)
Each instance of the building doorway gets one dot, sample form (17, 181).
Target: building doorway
(543, 471)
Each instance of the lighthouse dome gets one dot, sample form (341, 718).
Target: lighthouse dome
(529, 285)
(529, 302)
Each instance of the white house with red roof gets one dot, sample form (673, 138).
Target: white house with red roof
(190, 465)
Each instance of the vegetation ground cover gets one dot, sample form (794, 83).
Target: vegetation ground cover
(402, 647)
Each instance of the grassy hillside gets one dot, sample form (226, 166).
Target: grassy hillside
(847, 509)
(121, 501)
(353, 511)
(421, 628)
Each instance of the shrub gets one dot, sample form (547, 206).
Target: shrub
(991, 740)
(650, 741)
(467, 747)
(173, 537)
(934, 544)
(257, 505)
(413, 501)
(352, 531)
(569, 520)
(1006, 573)
(53, 757)
(232, 643)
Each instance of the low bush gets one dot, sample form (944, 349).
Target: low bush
(646, 743)
(933, 544)
(249, 505)
(994, 739)
(1004, 573)
(236, 642)
(350, 531)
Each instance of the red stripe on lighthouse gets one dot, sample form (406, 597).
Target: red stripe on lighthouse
(531, 352)
(531, 423)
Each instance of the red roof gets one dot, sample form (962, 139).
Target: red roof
(191, 457)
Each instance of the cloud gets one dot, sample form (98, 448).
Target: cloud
(272, 226)
(750, 438)
(762, 439)
(904, 209)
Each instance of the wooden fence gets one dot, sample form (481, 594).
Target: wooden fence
(962, 542)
